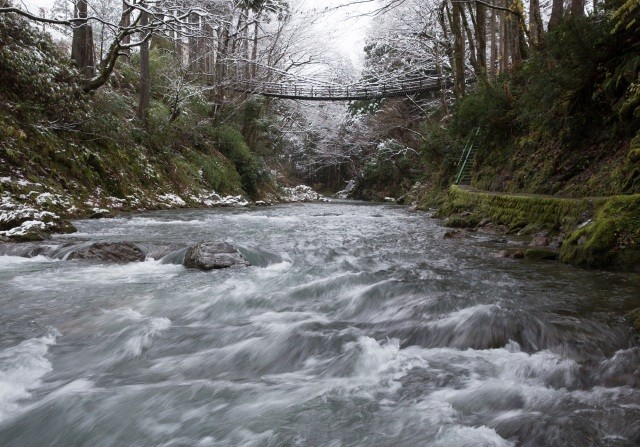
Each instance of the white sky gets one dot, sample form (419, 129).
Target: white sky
(345, 28)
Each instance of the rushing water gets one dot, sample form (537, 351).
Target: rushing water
(362, 326)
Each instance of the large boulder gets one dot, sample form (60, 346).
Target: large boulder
(213, 255)
(110, 252)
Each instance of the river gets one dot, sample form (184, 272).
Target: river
(361, 326)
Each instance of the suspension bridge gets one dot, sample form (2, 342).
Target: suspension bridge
(313, 90)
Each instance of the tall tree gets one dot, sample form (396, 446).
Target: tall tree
(458, 49)
(82, 43)
(557, 13)
(145, 75)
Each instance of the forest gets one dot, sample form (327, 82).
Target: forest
(141, 106)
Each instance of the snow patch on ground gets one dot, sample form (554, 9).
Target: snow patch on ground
(172, 200)
(302, 193)
(211, 199)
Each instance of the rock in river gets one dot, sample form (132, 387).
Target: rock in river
(214, 255)
(110, 252)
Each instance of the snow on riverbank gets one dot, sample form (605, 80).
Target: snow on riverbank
(32, 211)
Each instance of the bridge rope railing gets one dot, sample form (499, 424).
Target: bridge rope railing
(335, 92)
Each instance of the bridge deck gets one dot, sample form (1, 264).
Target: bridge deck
(341, 93)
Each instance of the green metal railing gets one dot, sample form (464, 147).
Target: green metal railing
(466, 160)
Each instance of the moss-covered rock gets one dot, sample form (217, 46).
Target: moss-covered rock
(519, 211)
(610, 240)
(600, 232)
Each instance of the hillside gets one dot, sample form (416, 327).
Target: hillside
(74, 154)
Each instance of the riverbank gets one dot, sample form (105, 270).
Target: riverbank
(599, 232)
(33, 211)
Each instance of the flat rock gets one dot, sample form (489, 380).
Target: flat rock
(110, 252)
(213, 256)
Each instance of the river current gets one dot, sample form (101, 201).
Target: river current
(359, 326)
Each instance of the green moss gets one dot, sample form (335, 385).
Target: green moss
(611, 240)
(462, 221)
(517, 211)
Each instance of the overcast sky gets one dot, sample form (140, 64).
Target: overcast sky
(345, 27)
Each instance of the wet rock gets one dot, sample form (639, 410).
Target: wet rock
(541, 253)
(262, 203)
(119, 252)
(556, 243)
(540, 240)
(634, 318)
(214, 255)
(100, 213)
(518, 254)
(503, 254)
(454, 234)
(62, 226)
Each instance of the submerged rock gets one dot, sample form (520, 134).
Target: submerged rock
(110, 252)
(503, 254)
(455, 234)
(214, 255)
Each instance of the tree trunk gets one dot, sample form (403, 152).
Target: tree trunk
(504, 37)
(442, 84)
(481, 36)
(535, 22)
(472, 44)
(245, 45)
(493, 31)
(254, 51)
(82, 43)
(145, 82)
(577, 8)
(515, 38)
(442, 15)
(125, 22)
(557, 13)
(458, 49)
(194, 54)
